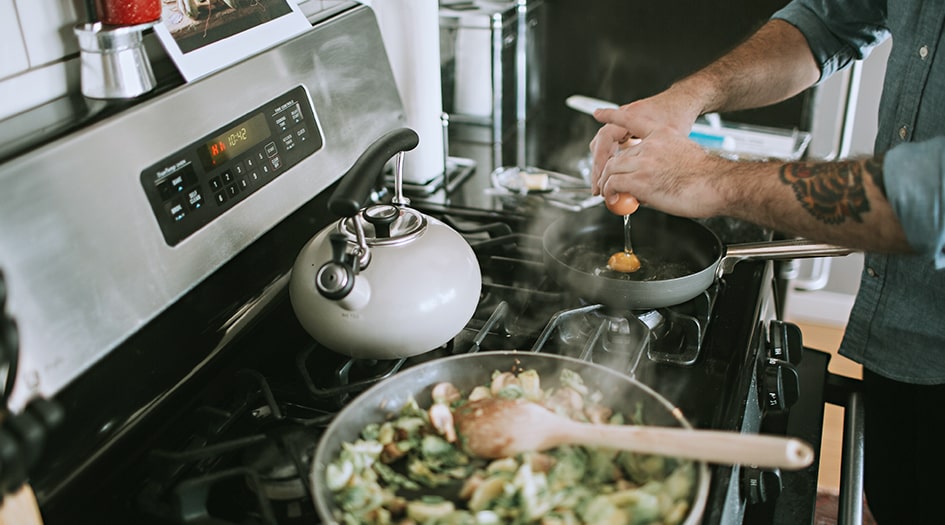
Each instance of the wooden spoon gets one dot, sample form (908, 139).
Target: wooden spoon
(496, 428)
(20, 508)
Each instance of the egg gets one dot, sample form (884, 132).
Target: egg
(624, 262)
(624, 205)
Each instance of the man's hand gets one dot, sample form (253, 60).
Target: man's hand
(667, 171)
(672, 109)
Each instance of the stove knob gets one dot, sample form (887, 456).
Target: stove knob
(781, 386)
(760, 485)
(9, 346)
(785, 342)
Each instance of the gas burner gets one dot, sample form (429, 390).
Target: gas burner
(584, 332)
(336, 377)
(281, 462)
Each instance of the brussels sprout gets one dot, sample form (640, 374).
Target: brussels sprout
(428, 509)
(569, 485)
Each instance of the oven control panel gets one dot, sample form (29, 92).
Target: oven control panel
(198, 183)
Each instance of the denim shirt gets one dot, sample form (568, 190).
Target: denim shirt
(897, 325)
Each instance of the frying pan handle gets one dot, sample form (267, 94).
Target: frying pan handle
(777, 250)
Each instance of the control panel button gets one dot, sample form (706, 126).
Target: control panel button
(176, 210)
(271, 150)
(220, 198)
(215, 184)
(288, 142)
(195, 199)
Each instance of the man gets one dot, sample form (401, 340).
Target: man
(891, 206)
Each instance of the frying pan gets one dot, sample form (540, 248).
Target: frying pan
(680, 257)
(465, 371)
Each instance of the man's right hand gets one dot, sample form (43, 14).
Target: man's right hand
(671, 109)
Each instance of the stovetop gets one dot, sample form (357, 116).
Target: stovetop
(228, 444)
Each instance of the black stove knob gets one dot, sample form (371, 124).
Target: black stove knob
(785, 341)
(9, 345)
(760, 485)
(780, 384)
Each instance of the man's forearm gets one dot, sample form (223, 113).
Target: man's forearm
(839, 202)
(772, 65)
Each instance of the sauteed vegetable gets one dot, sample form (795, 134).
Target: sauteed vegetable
(412, 468)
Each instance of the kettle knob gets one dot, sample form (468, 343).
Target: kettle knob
(381, 217)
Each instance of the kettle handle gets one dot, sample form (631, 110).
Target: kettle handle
(356, 184)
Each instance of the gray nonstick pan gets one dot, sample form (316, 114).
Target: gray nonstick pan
(680, 257)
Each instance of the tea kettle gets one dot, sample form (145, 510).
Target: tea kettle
(385, 281)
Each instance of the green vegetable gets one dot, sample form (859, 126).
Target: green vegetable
(569, 485)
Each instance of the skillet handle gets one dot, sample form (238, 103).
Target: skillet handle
(777, 250)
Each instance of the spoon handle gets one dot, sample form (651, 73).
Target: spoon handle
(712, 446)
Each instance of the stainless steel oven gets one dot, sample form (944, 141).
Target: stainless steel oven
(145, 270)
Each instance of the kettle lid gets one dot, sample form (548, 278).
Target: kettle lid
(385, 224)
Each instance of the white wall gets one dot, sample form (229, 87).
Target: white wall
(38, 52)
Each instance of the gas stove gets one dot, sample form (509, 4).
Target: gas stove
(192, 394)
(230, 446)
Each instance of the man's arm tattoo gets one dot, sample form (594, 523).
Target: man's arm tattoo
(832, 192)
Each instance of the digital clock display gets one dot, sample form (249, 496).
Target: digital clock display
(234, 141)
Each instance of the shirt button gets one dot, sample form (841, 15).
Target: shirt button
(924, 52)
(871, 272)
(903, 133)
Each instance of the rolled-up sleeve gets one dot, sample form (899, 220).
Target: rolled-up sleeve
(914, 174)
(838, 33)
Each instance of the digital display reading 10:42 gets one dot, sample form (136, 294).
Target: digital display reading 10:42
(234, 141)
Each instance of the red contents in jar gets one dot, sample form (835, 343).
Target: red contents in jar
(128, 12)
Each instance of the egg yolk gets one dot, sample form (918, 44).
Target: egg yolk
(624, 262)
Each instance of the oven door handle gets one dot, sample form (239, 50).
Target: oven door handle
(847, 392)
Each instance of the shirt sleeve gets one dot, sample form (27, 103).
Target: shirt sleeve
(838, 32)
(915, 172)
